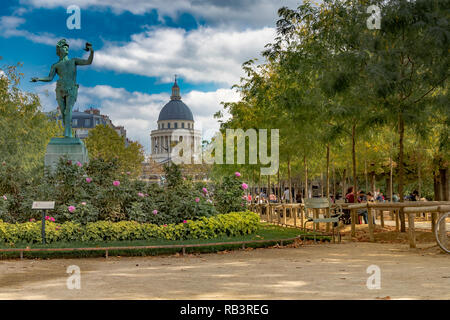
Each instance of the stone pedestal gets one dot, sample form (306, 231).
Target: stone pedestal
(71, 148)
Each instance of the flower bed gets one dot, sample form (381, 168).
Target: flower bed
(230, 224)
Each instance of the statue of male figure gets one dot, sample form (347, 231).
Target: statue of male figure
(66, 86)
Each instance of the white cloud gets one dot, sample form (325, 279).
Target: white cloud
(138, 112)
(230, 13)
(9, 28)
(200, 55)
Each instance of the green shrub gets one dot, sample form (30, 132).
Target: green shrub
(228, 194)
(231, 224)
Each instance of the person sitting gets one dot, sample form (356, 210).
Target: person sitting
(395, 197)
(363, 212)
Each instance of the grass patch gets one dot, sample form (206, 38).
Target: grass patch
(265, 232)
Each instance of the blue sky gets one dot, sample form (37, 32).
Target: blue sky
(139, 46)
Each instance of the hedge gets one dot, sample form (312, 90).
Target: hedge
(230, 224)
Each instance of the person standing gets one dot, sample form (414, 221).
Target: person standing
(287, 195)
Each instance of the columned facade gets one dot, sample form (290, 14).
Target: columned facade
(175, 124)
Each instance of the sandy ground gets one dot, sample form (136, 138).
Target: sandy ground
(322, 271)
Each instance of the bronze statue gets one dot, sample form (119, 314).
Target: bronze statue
(66, 86)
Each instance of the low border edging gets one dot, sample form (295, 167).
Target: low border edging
(169, 246)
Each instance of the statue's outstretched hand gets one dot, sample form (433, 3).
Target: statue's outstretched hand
(88, 47)
(35, 79)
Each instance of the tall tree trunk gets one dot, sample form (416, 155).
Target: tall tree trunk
(344, 172)
(289, 178)
(436, 185)
(443, 173)
(401, 131)
(279, 187)
(419, 175)
(334, 183)
(391, 183)
(328, 172)
(355, 184)
(366, 176)
(321, 184)
(373, 183)
(306, 177)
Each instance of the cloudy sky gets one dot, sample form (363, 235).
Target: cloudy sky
(139, 46)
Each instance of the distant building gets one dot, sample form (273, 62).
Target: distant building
(175, 123)
(83, 122)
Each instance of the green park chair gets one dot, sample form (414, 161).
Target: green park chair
(323, 203)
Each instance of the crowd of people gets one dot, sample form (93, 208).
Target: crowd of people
(361, 197)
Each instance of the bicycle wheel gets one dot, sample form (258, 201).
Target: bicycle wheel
(442, 233)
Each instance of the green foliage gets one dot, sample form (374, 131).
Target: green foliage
(98, 192)
(4, 213)
(329, 80)
(24, 128)
(231, 224)
(83, 213)
(228, 194)
(105, 143)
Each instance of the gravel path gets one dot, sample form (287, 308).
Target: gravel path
(324, 271)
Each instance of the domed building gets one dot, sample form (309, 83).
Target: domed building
(175, 124)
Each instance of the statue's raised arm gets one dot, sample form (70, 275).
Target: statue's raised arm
(84, 62)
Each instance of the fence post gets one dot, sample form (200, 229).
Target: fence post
(382, 218)
(284, 215)
(301, 216)
(294, 213)
(370, 223)
(327, 212)
(412, 233)
(433, 222)
(353, 219)
(397, 220)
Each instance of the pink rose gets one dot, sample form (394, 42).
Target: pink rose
(116, 183)
(5, 198)
(155, 211)
(165, 225)
(205, 190)
(184, 221)
(244, 186)
(237, 174)
(79, 164)
(140, 194)
(88, 180)
(52, 219)
(46, 217)
(71, 209)
(197, 199)
(83, 203)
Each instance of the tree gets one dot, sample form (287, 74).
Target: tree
(409, 64)
(25, 130)
(105, 143)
